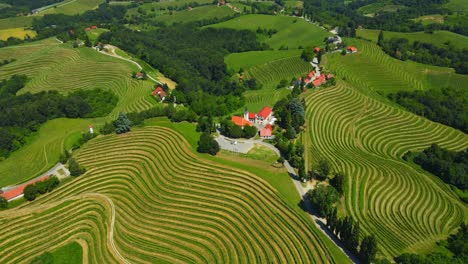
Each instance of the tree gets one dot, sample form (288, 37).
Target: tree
(281, 160)
(323, 168)
(322, 199)
(108, 128)
(249, 131)
(380, 40)
(368, 249)
(30, 192)
(338, 182)
(64, 156)
(122, 124)
(343, 52)
(302, 172)
(206, 144)
(290, 133)
(88, 42)
(75, 168)
(3, 202)
(354, 239)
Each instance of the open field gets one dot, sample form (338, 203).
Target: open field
(94, 34)
(147, 198)
(16, 22)
(68, 254)
(292, 32)
(459, 6)
(246, 60)
(438, 38)
(430, 19)
(372, 71)
(383, 6)
(72, 7)
(364, 135)
(172, 3)
(19, 33)
(198, 13)
(54, 66)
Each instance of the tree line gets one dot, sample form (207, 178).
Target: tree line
(427, 53)
(20, 115)
(448, 106)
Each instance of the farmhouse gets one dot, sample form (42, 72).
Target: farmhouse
(88, 29)
(316, 49)
(267, 131)
(17, 191)
(93, 27)
(139, 75)
(159, 92)
(351, 49)
(265, 115)
(319, 80)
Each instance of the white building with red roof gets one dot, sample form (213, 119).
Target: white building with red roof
(159, 92)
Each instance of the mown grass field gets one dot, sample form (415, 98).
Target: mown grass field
(363, 135)
(68, 254)
(94, 34)
(247, 60)
(292, 32)
(147, 198)
(16, 22)
(382, 6)
(16, 33)
(55, 66)
(72, 7)
(438, 38)
(198, 13)
(459, 6)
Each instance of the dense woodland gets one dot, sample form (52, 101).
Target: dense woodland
(448, 106)
(20, 115)
(194, 58)
(23, 6)
(450, 166)
(403, 49)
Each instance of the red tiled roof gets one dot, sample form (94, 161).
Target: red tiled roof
(88, 29)
(139, 74)
(239, 121)
(269, 126)
(159, 91)
(265, 132)
(311, 74)
(265, 112)
(330, 76)
(251, 115)
(351, 48)
(93, 27)
(317, 49)
(306, 80)
(317, 82)
(18, 190)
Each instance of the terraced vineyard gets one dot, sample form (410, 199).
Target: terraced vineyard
(365, 137)
(147, 198)
(54, 66)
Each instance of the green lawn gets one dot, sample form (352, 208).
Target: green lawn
(16, 22)
(94, 34)
(69, 254)
(292, 32)
(438, 38)
(72, 7)
(460, 6)
(382, 6)
(196, 14)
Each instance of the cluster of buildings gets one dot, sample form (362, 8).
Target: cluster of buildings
(263, 121)
(91, 28)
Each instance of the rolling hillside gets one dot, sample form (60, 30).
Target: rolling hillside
(364, 136)
(147, 198)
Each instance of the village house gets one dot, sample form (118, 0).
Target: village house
(266, 132)
(17, 191)
(240, 121)
(265, 115)
(139, 75)
(160, 93)
(351, 49)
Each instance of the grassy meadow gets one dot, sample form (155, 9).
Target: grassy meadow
(438, 38)
(237, 216)
(72, 7)
(19, 33)
(198, 13)
(292, 32)
(363, 135)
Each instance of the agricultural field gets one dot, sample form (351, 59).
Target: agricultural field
(71, 7)
(19, 33)
(458, 6)
(16, 22)
(94, 34)
(373, 72)
(430, 19)
(196, 14)
(268, 68)
(438, 38)
(55, 66)
(220, 215)
(382, 6)
(363, 135)
(292, 32)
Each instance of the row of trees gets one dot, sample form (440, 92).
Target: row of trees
(323, 199)
(450, 166)
(448, 106)
(31, 191)
(403, 49)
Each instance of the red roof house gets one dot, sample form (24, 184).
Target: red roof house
(265, 113)
(306, 80)
(18, 190)
(93, 27)
(139, 75)
(311, 74)
(351, 49)
(239, 121)
(88, 29)
(159, 91)
(266, 132)
(251, 115)
(317, 49)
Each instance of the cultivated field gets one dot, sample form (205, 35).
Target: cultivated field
(196, 14)
(147, 198)
(383, 6)
(364, 135)
(19, 33)
(72, 7)
(438, 38)
(55, 66)
(292, 32)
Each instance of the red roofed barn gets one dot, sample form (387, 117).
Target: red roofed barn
(351, 49)
(18, 190)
